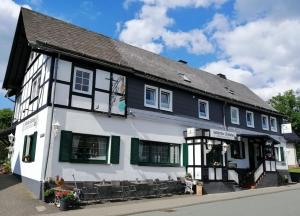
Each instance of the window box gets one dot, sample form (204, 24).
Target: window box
(166, 100)
(82, 81)
(273, 123)
(235, 116)
(250, 119)
(265, 122)
(203, 109)
(151, 96)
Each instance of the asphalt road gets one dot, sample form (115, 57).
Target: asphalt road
(276, 204)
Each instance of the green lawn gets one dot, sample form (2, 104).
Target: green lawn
(295, 170)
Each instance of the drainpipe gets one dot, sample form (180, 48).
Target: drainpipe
(52, 114)
(224, 115)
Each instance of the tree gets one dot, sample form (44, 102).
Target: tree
(288, 104)
(5, 122)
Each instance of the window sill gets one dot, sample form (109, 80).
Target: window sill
(88, 161)
(158, 165)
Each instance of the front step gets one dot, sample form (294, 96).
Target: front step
(269, 179)
(220, 187)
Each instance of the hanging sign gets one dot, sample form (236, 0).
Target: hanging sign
(220, 134)
(286, 128)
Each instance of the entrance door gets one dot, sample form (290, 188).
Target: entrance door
(255, 155)
(214, 160)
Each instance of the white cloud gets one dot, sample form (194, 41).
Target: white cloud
(150, 28)
(9, 12)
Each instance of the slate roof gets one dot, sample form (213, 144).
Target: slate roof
(292, 137)
(44, 29)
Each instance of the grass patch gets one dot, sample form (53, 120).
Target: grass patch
(295, 170)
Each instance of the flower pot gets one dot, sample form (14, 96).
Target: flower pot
(64, 205)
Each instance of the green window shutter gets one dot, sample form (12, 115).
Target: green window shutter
(185, 154)
(282, 153)
(24, 147)
(134, 153)
(243, 150)
(33, 146)
(115, 150)
(66, 140)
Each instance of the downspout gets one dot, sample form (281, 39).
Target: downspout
(52, 114)
(224, 115)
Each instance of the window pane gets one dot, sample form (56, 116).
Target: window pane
(202, 109)
(87, 147)
(165, 99)
(85, 82)
(86, 75)
(150, 96)
(85, 88)
(78, 87)
(144, 152)
(78, 73)
(78, 80)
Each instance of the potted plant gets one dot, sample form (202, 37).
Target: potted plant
(49, 195)
(27, 158)
(68, 201)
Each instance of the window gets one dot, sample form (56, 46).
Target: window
(203, 109)
(35, 87)
(279, 153)
(159, 153)
(265, 122)
(82, 82)
(151, 96)
(237, 150)
(273, 123)
(166, 100)
(29, 148)
(89, 147)
(215, 156)
(250, 119)
(234, 113)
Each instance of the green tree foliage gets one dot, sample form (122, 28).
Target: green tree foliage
(5, 122)
(288, 104)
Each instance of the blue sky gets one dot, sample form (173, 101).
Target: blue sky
(250, 41)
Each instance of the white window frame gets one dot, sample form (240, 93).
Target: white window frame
(35, 92)
(90, 80)
(238, 115)
(252, 119)
(207, 109)
(274, 129)
(155, 106)
(262, 125)
(170, 109)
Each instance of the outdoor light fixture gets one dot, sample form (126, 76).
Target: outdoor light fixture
(225, 147)
(56, 128)
(269, 142)
(209, 145)
(11, 138)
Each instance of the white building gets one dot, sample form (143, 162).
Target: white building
(101, 109)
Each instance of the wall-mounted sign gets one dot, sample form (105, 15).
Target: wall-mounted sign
(32, 122)
(220, 134)
(286, 128)
(190, 132)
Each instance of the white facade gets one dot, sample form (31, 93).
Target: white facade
(291, 155)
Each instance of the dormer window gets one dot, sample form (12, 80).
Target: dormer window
(151, 96)
(235, 116)
(250, 119)
(265, 122)
(83, 80)
(273, 123)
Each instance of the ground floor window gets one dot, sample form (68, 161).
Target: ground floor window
(159, 153)
(237, 150)
(89, 147)
(215, 156)
(279, 154)
(29, 148)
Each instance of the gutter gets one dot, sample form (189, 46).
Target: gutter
(52, 115)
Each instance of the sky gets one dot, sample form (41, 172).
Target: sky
(254, 42)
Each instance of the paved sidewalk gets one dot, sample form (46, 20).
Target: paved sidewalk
(16, 200)
(133, 207)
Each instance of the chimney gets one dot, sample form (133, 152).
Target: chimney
(182, 61)
(221, 75)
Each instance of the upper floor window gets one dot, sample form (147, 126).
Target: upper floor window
(234, 113)
(151, 96)
(273, 123)
(203, 109)
(83, 80)
(265, 122)
(250, 119)
(166, 100)
(35, 87)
